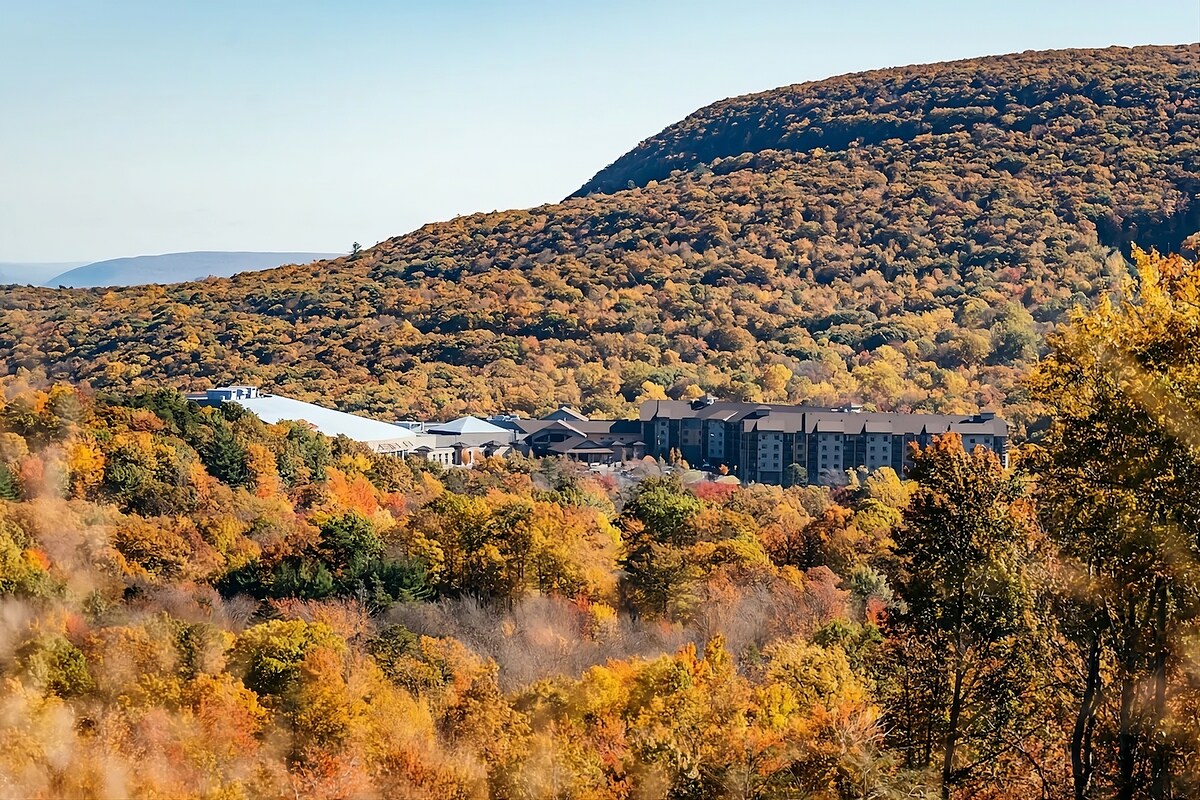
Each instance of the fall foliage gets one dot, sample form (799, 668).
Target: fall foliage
(196, 604)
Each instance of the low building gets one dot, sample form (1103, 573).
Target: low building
(463, 442)
(382, 437)
(469, 439)
(569, 434)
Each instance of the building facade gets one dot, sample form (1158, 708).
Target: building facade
(797, 444)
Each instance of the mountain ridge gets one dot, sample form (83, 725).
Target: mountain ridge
(793, 120)
(34, 273)
(911, 274)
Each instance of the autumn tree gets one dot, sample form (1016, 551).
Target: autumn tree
(775, 381)
(1119, 484)
(657, 525)
(964, 642)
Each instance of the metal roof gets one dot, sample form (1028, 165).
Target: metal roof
(465, 425)
(273, 408)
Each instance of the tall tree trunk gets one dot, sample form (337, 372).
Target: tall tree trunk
(931, 702)
(1127, 734)
(952, 733)
(1085, 721)
(1160, 767)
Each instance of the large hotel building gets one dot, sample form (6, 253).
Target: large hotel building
(761, 443)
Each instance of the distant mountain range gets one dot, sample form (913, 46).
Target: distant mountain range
(34, 273)
(173, 268)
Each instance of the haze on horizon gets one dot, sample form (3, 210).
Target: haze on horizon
(138, 127)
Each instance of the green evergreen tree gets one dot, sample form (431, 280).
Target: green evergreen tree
(226, 459)
(8, 485)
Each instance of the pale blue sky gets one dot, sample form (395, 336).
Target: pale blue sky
(148, 126)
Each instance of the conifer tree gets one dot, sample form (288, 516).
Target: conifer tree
(8, 485)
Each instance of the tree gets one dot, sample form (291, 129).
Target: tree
(226, 458)
(1119, 481)
(8, 485)
(270, 655)
(775, 380)
(795, 475)
(964, 641)
(657, 522)
(55, 665)
(650, 391)
(349, 544)
(665, 508)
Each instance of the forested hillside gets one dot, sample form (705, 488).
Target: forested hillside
(906, 238)
(194, 604)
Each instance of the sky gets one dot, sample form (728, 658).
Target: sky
(132, 127)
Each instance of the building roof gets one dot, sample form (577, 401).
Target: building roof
(468, 425)
(380, 435)
(708, 408)
(579, 445)
(876, 422)
(585, 427)
(567, 413)
(848, 419)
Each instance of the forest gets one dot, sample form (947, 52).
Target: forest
(909, 239)
(196, 604)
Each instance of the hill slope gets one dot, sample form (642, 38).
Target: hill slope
(176, 267)
(918, 270)
(1056, 95)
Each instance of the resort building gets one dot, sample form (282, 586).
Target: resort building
(758, 443)
(382, 437)
(463, 442)
(796, 444)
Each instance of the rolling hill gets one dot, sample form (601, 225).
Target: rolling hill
(175, 268)
(903, 237)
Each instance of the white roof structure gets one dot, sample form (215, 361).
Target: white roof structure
(382, 437)
(469, 425)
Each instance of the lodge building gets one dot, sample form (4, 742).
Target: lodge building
(797, 444)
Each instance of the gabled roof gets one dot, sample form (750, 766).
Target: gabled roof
(588, 444)
(467, 425)
(566, 412)
(727, 410)
(579, 445)
(548, 426)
